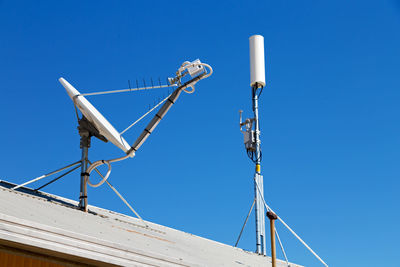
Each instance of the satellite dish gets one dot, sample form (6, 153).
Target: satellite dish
(94, 124)
(94, 116)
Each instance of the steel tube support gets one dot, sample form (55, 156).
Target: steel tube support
(248, 215)
(46, 175)
(85, 144)
(258, 180)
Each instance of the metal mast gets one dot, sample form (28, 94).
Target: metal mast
(251, 131)
(86, 131)
(257, 82)
(84, 145)
(258, 179)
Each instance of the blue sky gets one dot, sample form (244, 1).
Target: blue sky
(329, 114)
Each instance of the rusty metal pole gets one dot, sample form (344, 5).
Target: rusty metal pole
(85, 134)
(272, 217)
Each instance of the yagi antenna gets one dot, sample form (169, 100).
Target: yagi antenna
(93, 123)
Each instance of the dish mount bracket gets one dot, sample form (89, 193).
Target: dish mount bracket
(86, 130)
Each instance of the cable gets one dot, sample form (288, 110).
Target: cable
(252, 156)
(261, 90)
(191, 91)
(185, 65)
(96, 164)
(260, 158)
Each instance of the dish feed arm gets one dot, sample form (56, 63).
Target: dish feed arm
(152, 124)
(160, 114)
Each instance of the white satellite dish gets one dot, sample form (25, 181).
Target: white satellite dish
(94, 116)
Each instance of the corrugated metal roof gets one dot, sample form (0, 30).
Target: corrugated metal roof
(55, 223)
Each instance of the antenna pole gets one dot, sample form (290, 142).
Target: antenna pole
(84, 145)
(253, 146)
(258, 179)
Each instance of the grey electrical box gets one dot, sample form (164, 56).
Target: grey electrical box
(249, 140)
(195, 70)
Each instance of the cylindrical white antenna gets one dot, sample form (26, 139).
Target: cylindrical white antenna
(257, 64)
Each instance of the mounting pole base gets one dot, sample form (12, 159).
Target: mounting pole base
(85, 131)
(85, 144)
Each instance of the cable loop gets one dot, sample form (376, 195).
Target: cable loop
(95, 165)
(191, 91)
